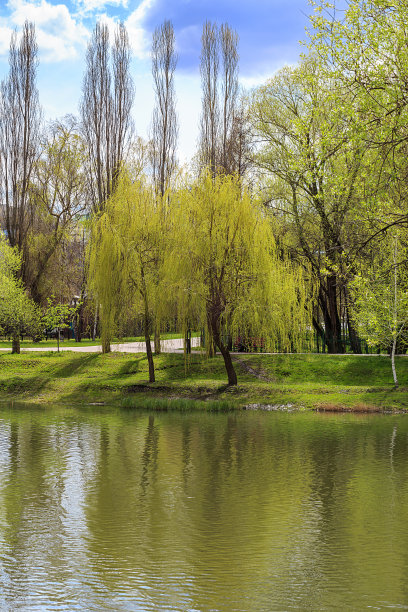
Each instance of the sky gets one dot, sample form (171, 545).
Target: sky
(269, 32)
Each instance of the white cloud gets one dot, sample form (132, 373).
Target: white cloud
(59, 34)
(95, 6)
(62, 35)
(111, 22)
(138, 36)
(248, 82)
(188, 105)
(5, 35)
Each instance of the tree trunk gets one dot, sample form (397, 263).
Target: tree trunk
(328, 304)
(157, 343)
(79, 317)
(355, 342)
(149, 356)
(210, 342)
(106, 329)
(147, 341)
(211, 352)
(15, 345)
(95, 325)
(319, 332)
(394, 372)
(106, 347)
(394, 340)
(232, 375)
(187, 341)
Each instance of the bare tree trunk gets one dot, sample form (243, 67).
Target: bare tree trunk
(229, 366)
(164, 130)
(157, 341)
(211, 348)
(147, 330)
(149, 354)
(355, 341)
(105, 339)
(95, 325)
(229, 93)
(394, 371)
(395, 325)
(232, 375)
(149, 351)
(15, 345)
(106, 105)
(187, 342)
(209, 67)
(20, 120)
(106, 110)
(328, 305)
(222, 130)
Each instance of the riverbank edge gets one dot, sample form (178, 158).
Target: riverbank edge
(118, 381)
(158, 404)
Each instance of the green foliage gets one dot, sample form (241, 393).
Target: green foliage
(58, 316)
(381, 298)
(17, 311)
(226, 270)
(126, 255)
(381, 295)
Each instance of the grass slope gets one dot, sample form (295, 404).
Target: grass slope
(311, 381)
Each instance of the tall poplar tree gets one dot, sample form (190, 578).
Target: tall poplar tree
(20, 121)
(106, 104)
(108, 94)
(164, 129)
(221, 126)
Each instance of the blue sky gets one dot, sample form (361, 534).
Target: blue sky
(269, 31)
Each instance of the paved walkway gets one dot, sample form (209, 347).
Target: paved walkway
(167, 346)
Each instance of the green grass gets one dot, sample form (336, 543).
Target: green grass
(309, 381)
(53, 343)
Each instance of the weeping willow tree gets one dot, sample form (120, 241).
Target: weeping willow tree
(125, 255)
(227, 272)
(105, 273)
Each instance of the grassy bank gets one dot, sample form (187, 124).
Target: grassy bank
(310, 381)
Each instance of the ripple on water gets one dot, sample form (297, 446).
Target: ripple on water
(246, 512)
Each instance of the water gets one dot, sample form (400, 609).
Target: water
(104, 510)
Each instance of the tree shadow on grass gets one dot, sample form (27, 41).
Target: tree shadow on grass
(134, 366)
(197, 377)
(24, 384)
(74, 365)
(165, 362)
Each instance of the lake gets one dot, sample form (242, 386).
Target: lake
(245, 511)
